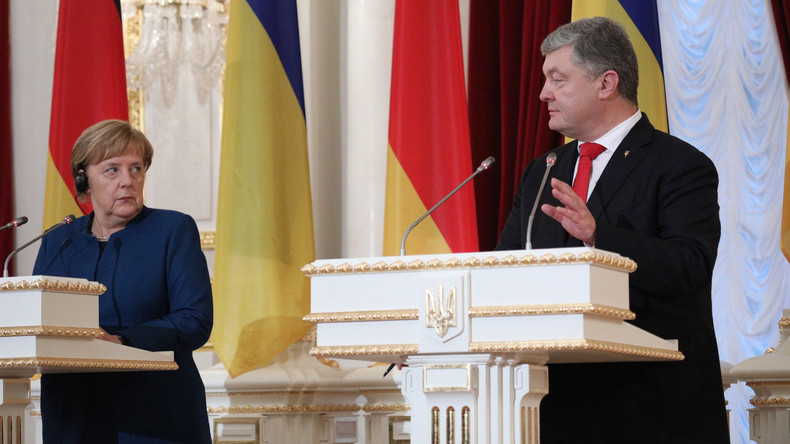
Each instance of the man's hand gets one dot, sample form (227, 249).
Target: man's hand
(574, 216)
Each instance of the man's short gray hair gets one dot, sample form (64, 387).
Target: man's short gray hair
(599, 44)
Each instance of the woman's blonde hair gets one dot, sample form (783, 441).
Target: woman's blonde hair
(106, 139)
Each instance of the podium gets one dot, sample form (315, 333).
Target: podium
(476, 330)
(50, 325)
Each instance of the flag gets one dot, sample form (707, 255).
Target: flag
(640, 19)
(89, 86)
(429, 151)
(264, 223)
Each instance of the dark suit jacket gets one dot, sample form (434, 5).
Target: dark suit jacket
(656, 203)
(158, 297)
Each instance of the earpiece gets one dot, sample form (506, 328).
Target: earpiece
(81, 182)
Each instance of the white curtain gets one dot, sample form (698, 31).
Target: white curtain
(727, 95)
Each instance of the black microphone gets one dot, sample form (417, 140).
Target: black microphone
(15, 223)
(551, 159)
(486, 164)
(66, 220)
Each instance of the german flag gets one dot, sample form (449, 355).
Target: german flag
(429, 150)
(89, 86)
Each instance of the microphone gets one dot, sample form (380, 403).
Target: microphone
(486, 164)
(66, 220)
(15, 223)
(551, 159)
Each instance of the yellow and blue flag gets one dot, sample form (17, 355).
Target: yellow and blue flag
(640, 19)
(265, 222)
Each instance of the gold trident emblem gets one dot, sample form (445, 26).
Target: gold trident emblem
(440, 317)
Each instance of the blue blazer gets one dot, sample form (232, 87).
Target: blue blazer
(656, 203)
(159, 298)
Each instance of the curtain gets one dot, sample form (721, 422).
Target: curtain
(6, 176)
(507, 119)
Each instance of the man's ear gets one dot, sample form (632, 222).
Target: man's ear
(609, 82)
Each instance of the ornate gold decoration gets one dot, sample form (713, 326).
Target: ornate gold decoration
(207, 239)
(549, 259)
(784, 322)
(529, 259)
(768, 383)
(440, 314)
(48, 284)
(450, 424)
(360, 316)
(51, 331)
(326, 268)
(365, 350)
(472, 262)
(380, 266)
(463, 388)
(328, 362)
(490, 261)
(109, 364)
(278, 394)
(434, 264)
(435, 425)
(132, 29)
(362, 267)
(770, 401)
(578, 344)
(585, 257)
(416, 265)
(466, 425)
(318, 408)
(253, 421)
(526, 310)
(509, 260)
(310, 269)
(381, 407)
(345, 267)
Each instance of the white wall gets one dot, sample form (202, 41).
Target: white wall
(33, 24)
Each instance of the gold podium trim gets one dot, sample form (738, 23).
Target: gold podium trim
(41, 330)
(70, 363)
(365, 350)
(54, 285)
(550, 309)
(397, 264)
(360, 316)
(577, 344)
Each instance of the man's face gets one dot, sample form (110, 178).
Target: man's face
(572, 98)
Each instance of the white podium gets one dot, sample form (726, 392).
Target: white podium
(477, 329)
(50, 325)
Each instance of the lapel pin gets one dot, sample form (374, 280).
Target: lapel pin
(626, 153)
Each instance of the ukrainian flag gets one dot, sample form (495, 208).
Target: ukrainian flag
(640, 19)
(264, 223)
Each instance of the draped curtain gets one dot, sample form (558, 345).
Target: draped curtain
(726, 95)
(507, 119)
(6, 176)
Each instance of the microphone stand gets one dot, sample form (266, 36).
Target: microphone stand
(66, 220)
(483, 166)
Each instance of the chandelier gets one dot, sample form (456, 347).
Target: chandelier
(174, 35)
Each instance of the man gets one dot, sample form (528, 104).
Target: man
(652, 198)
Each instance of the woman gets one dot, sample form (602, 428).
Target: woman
(158, 298)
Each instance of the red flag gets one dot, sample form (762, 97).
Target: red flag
(89, 86)
(429, 151)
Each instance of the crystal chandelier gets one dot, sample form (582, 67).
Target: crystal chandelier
(175, 35)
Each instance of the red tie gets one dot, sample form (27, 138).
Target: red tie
(589, 151)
